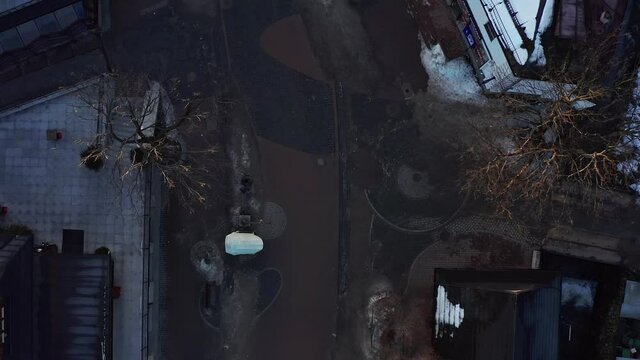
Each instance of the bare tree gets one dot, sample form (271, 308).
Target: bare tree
(138, 128)
(574, 133)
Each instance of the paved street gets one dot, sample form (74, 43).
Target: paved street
(293, 116)
(301, 322)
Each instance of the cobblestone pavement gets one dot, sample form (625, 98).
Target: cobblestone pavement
(493, 225)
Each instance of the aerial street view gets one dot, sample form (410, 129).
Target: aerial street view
(319, 179)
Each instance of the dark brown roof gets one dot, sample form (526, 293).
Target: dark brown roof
(508, 315)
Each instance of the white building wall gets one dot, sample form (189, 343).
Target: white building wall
(498, 65)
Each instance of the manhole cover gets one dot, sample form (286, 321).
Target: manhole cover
(413, 183)
(274, 221)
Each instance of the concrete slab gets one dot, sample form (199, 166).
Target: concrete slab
(44, 187)
(583, 251)
(584, 237)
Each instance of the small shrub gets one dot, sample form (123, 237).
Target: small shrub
(103, 250)
(92, 157)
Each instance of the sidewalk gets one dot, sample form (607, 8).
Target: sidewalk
(243, 152)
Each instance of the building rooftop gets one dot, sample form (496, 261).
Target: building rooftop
(44, 187)
(16, 296)
(74, 307)
(507, 314)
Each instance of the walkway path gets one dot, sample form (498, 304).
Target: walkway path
(301, 322)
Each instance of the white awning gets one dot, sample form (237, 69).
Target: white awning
(239, 243)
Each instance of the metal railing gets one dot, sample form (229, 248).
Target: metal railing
(144, 335)
(513, 13)
(503, 35)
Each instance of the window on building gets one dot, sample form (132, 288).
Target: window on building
(66, 16)
(10, 40)
(79, 9)
(491, 31)
(28, 32)
(47, 24)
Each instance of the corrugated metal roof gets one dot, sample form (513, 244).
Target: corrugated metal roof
(16, 289)
(9, 246)
(536, 335)
(74, 307)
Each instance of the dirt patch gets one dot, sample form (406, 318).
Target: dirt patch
(394, 38)
(409, 336)
(496, 251)
(453, 122)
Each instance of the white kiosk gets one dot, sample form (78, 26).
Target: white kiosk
(242, 243)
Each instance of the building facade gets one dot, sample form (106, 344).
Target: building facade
(38, 33)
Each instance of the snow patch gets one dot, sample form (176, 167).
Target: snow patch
(526, 11)
(505, 25)
(537, 55)
(453, 80)
(447, 313)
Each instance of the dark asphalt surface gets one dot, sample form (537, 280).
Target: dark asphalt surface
(293, 116)
(286, 106)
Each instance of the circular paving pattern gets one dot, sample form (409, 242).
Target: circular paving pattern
(413, 183)
(274, 221)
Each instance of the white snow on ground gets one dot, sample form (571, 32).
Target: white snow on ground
(631, 144)
(537, 56)
(504, 24)
(526, 11)
(446, 312)
(453, 80)
(579, 293)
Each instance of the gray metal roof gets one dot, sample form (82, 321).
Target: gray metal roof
(74, 307)
(16, 289)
